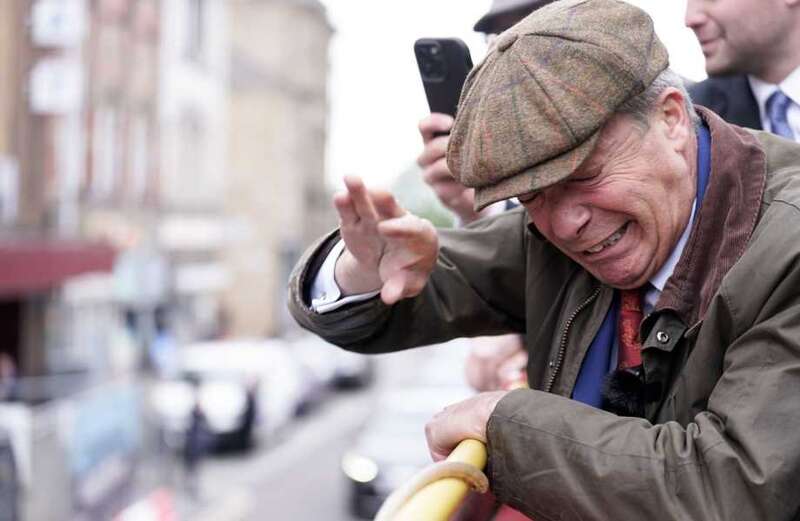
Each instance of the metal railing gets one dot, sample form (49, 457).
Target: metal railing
(440, 499)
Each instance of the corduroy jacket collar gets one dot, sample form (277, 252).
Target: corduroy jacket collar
(726, 219)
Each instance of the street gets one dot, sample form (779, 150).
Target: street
(297, 476)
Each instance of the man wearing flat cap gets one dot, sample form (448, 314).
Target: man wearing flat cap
(654, 268)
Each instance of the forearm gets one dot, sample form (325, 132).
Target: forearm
(444, 310)
(554, 458)
(448, 307)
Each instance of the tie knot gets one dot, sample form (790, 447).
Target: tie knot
(631, 299)
(777, 104)
(777, 108)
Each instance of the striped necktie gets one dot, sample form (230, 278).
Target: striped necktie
(630, 317)
(777, 110)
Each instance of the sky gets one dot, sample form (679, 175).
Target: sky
(376, 95)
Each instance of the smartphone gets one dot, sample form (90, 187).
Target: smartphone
(443, 65)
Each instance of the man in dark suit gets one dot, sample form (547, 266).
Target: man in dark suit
(752, 53)
(729, 96)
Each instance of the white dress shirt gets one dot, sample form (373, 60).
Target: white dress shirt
(791, 87)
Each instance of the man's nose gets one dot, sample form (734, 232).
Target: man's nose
(695, 16)
(568, 217)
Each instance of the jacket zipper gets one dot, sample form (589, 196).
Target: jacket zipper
(562, 348)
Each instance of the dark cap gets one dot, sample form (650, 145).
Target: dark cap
(531, 112)
(500, 8)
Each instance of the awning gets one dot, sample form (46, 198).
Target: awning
(33, 265)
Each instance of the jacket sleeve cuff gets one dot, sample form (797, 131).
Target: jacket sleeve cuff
(347, 326)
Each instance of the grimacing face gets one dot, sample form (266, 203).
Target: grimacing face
(739, 36)
(623, 210)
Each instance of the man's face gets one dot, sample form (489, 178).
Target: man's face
(622, 211)
(738, 36)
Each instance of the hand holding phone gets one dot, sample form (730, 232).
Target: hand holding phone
(443, 65)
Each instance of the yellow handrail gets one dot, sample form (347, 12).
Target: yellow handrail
(440, 499)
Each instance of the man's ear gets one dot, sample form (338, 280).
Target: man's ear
(673, 114)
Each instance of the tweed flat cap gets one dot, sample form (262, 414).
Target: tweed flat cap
(531, 112)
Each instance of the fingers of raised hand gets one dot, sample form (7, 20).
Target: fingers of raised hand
(407, 226)
(411, 251)
(345, 209)
(448, 191)
(385, 205)
(412, 238)
(435, 150)
(360, 199)
(433, 124)
(437, 173)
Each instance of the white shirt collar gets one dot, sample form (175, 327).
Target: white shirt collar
(763, 90)
(660, 279)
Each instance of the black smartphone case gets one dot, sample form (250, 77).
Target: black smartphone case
(443, 65)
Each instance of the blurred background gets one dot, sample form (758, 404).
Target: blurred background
(163, 164)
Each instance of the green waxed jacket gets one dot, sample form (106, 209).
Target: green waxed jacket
(721, 353)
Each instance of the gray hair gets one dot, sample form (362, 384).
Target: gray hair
(640, 106)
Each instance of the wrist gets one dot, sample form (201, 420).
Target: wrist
(353, 278)
(489, 405)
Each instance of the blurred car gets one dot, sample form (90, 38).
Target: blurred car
(286, 386)
(338, 368)
(392, 447)
(226, 406)
(236, 384)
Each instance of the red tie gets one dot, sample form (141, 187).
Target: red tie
(630, 317)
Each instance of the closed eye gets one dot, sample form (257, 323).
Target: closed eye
(584, 179)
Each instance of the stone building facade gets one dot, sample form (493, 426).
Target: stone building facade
(277, 197)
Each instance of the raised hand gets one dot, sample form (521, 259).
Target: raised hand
(453, 195)
(386, 248)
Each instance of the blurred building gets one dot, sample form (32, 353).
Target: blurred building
(118, 188)
(194, 128)
(276, 199)
(78, 199)
(155, 155)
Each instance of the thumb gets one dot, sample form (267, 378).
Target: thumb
(393, 289)
(386, 205)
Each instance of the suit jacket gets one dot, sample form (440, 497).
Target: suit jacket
(730, 97)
